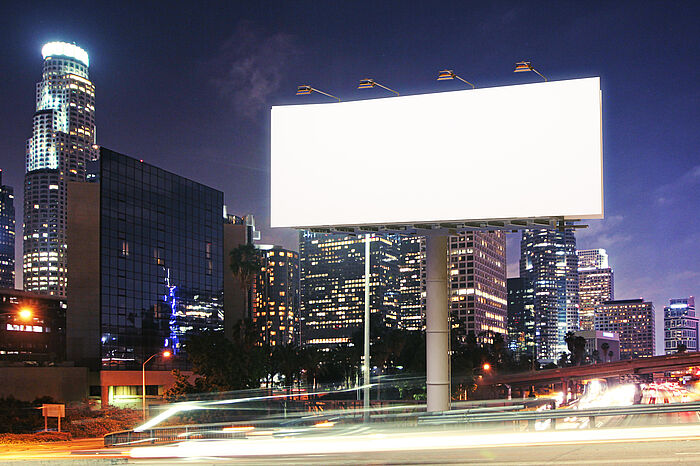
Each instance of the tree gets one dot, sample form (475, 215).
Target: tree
(605, 346)
(579, 353)
(245, 265)
(681, 348)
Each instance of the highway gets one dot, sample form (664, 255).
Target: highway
(657, 438)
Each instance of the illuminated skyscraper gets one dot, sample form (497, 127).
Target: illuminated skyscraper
(521, 317)
(633, 320)
(680, 325)
(412, 283)
(548, 260)
(477, 276)
(595, 284)
(333, 287)
(276, 309)
(61, 144)
(7, 236)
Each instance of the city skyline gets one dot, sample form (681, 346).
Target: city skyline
(644, 205)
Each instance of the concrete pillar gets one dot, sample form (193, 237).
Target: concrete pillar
(437, 331)
(104, 396)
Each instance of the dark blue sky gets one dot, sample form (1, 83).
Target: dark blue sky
(188, 87)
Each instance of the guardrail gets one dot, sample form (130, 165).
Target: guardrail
(450, 417)
(470, 416)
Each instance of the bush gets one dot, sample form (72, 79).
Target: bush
(34, 438)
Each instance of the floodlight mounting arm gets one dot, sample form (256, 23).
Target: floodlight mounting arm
(384, 87)
(465, 81)
(541, 75)
(325, 93)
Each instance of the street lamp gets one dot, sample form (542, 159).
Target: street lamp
(446, 75)
(166, 354)
(306, 90)
(523, 66)
(370, 83)
(25, 313)
(486, 367)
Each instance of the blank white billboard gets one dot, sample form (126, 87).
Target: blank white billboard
(532, 150)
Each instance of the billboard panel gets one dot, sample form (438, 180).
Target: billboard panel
(532, 150)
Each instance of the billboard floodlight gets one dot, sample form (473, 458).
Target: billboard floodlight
(369, 83)
(445, 75)
(523, 66)
(306, 90)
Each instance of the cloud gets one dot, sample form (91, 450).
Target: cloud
(670, 192)
(603, 233)
(251, 66)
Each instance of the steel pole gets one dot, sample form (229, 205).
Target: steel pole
(437, 331)
(143, 389)
(366, 366)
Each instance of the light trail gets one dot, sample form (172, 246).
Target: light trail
(403, 441)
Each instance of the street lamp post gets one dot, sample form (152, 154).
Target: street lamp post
(165, 354)
(446, 75)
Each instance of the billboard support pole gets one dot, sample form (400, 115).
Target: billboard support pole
(437, 328)
(366, 366)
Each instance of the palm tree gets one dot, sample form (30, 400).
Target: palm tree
(245, 265)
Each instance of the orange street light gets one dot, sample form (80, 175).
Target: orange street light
(166, 354)
(446, 75)
(523, 66)
(369, 83)
(25, 313)
(306, 90)
(486, 366)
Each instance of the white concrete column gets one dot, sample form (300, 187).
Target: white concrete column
(437, 332)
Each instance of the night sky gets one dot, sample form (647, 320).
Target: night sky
(188, 86)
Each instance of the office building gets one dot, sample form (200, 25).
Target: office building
(595, 284)
(7, 236)
(521, 318)
(601, 346)
(633, 321)
(32, 327)
(146, 264)
(680, 325)
(332, 285)
(276, 308)
(548, 260)
(477, 281)
(412, 283)
(57, 153)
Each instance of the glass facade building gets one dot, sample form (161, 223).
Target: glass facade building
(276, 304)
(521, 317)
(412, 283)
(633, 320)
(595, 284)
(548, 260)
(680, 325)
(477, 280)
(7, 236)
(160, 260)
(40, 336)
(332, 285)
(62, 143)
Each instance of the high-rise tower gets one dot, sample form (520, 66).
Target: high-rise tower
(7, 236)
(595, 284)
(61, 144)
(548, 260)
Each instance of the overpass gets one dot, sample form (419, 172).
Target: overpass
(603, 370)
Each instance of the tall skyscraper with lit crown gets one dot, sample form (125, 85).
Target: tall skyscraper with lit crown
(595, 284)
(62, 142)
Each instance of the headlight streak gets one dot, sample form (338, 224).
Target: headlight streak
(401, 441)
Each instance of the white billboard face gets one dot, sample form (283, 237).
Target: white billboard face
(532, 150)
